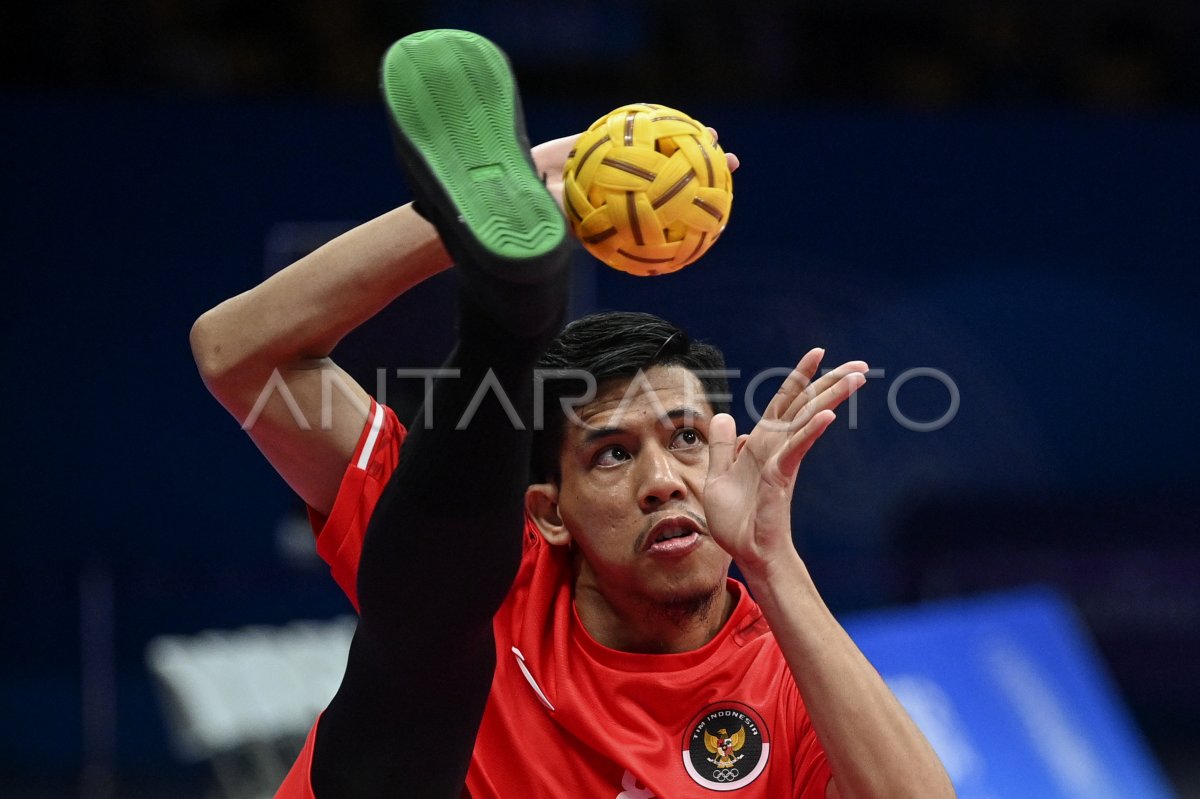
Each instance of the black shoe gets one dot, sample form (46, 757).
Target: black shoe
(460, 136)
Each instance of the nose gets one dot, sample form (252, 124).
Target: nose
(661, 479)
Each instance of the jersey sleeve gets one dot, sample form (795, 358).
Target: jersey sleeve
(340, 535)
(298, 782)
(811, 772)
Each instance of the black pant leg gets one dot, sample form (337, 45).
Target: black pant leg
(440, 554)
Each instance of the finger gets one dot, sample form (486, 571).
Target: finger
(731, 160)
(722, 439)
(835, 395)
(821, 385)
(828, 400)
(810, 403)
(741, 442)
(801, 442)
(794, 384)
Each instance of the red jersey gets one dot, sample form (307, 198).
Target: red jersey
(568, 717)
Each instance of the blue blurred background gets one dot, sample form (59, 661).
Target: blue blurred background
(1002, 191)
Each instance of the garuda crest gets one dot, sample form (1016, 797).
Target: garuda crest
(725, 747)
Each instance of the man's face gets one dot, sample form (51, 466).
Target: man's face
(632, 489)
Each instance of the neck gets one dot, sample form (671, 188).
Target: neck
(666, 626)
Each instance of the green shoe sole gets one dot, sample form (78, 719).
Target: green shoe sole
(460, 133)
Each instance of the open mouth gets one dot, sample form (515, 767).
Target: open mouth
(673, 535)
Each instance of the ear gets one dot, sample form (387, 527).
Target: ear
(541, 503)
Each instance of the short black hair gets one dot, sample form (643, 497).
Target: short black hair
(615, 345)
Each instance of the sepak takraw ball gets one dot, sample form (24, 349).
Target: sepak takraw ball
(647, 190)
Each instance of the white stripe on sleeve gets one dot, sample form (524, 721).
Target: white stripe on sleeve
(372, 437)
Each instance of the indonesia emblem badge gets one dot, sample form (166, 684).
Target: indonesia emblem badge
(726, 746)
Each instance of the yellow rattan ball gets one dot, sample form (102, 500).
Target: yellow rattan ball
(647, 190)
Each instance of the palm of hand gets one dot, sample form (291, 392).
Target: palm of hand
(748, 492)
(748, 506)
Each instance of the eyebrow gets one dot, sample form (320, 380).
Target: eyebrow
(595, 434)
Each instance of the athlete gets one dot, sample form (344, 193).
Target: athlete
(573, 634)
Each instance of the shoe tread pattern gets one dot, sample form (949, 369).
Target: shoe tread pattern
(454, 98)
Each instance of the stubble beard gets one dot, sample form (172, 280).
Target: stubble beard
(685, 610)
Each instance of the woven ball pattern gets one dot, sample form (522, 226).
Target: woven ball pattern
(647, 190)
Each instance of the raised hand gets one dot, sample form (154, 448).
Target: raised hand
(748, 492)
(730, 159)
(549, 158)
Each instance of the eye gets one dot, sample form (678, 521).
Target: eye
(686, 438)
(610, 456)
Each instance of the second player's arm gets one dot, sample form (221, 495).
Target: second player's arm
(280, 333)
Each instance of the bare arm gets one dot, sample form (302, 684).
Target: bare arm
(874, 747)
(264, 354)
(875, 750)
